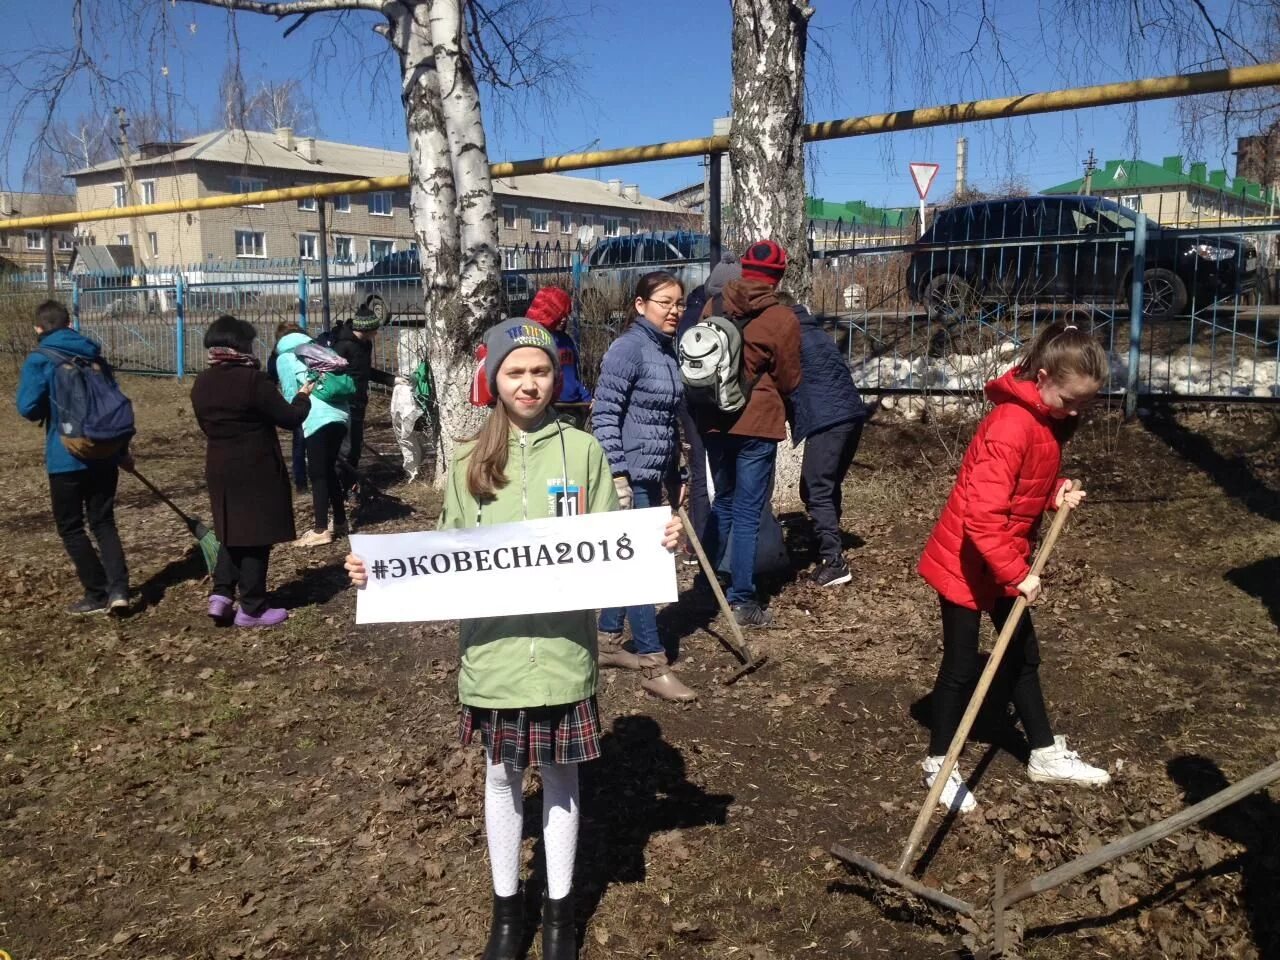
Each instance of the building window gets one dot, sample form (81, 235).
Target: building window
(380, 203)
(122, 197)
(123, 240)
(539, 221)
(508, 216)
(342, 203)
(381, 248)
(153, 243)
(148, 191)
(66, 241)
(635, 225)
(1133, 201)
(511, 259)
(566, 222)
(342, 249)
(4, 241)
(307, 246)
(35, 240)
(248, 185)
(307, 203)
(610, 226)
(251, 243)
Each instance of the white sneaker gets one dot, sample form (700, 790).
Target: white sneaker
(1057, 764)
(955, 795)
(314, 538)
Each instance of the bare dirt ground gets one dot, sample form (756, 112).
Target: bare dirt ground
(168, 789)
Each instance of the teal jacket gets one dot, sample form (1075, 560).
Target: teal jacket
(293, 374)
(543, 659)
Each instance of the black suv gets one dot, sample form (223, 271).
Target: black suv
(1034, 249)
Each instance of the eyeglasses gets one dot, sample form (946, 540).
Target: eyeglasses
(668, 304)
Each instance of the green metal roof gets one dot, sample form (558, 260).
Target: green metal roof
(858, 213)
(1143, 175)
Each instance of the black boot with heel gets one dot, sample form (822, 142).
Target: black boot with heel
(559, 940)
(506, 934)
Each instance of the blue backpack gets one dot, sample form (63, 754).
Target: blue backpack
(93, 417)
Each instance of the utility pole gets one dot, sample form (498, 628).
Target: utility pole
(1090, 165)
(130, 194)
(962, 166)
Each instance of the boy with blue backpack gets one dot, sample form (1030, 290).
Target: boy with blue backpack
(67, 385)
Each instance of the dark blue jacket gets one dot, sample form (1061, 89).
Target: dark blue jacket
(826, 395)
(638, 399)
(572, 389)
(35, 387)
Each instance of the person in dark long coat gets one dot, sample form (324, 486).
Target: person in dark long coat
(239, 409)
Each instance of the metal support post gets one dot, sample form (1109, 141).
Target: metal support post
(576, 272)
(713, 206)
(75, 307)
(1135, 316)
(324, 263)
(302, 299)
(180, 310)
(50, 275)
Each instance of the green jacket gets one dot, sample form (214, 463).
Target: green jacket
(543, 659)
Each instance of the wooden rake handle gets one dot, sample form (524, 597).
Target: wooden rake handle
(740, 648)
(979, 694)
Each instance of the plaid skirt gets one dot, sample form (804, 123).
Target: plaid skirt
(535, 736)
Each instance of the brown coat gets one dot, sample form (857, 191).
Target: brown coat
(770, 352)
(239, 409)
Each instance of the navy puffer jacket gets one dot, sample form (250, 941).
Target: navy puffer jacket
(637, 403)
(826, 395)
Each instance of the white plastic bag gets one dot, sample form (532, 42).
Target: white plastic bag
(404, 419)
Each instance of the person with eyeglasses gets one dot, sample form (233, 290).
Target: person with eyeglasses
(638, 400)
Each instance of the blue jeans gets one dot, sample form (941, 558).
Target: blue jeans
(644, 619)
(741, 468)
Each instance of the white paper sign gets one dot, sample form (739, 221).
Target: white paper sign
(585, 562)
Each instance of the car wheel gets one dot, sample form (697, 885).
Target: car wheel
(1164, 295)
(948, 297)
(379, 308)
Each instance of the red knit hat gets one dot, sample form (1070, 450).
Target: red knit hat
(764, 262)
(549, 307)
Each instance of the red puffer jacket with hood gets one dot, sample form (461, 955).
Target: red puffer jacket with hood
(980, 549)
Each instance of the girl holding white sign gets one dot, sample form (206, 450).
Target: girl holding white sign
(527, 683)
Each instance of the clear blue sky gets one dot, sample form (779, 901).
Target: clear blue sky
(651, 71)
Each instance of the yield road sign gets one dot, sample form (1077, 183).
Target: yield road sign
(923, 174)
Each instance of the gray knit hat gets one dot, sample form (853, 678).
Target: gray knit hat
(727, 269)
(512, 334)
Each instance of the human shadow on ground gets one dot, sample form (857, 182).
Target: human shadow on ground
(636, 789)
(1253, 822)
(1234, 474)
(189, 566)
(1260, 579)
(312, 586)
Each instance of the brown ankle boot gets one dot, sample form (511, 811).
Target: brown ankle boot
(612, 653)
(658, 679)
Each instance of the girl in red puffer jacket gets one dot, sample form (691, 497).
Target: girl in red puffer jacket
(978, 557)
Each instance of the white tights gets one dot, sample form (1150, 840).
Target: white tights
(504, 824)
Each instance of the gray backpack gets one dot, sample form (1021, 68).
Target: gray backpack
(711, 363)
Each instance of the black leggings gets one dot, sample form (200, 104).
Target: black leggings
(1017, 680)
(322, 467)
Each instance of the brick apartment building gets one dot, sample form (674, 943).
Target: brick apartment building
(24, 251)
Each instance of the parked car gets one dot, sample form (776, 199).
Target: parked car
(1036, 249)
(621, 261)
(392, 287)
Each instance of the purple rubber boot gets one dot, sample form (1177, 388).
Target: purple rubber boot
(270, 617)
(220, 610)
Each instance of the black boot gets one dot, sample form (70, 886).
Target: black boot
(558, 935)
(507, 931)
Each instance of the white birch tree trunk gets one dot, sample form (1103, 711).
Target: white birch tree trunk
(479, 267)
(766, 151)
(433, 204)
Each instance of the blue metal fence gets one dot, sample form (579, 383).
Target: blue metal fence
(1183, 313)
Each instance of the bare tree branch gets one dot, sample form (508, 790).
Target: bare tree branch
(291, 7)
